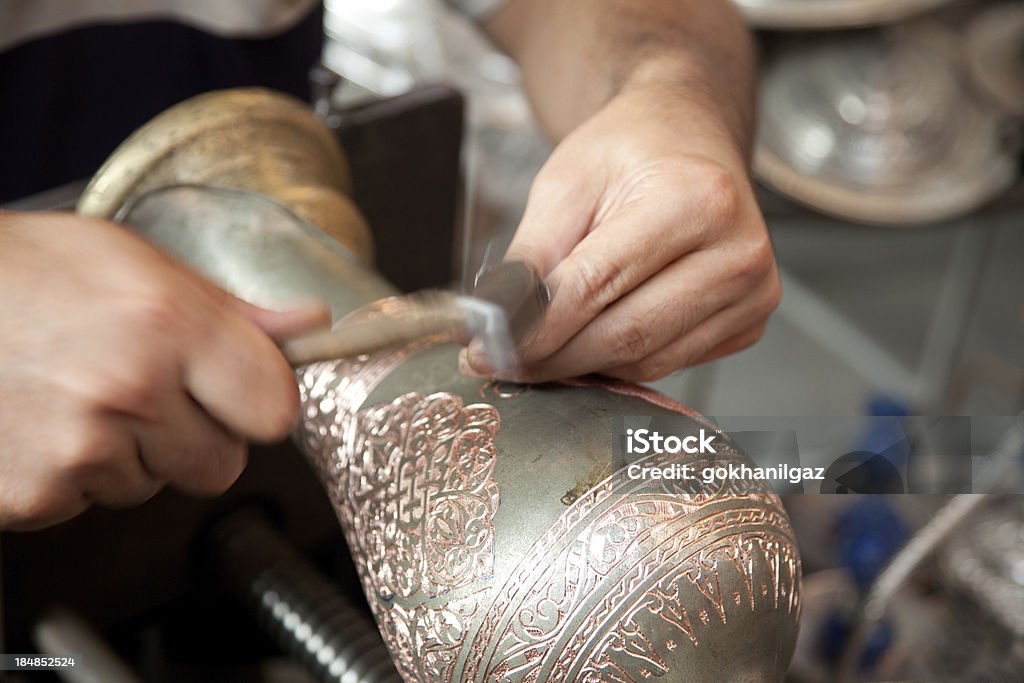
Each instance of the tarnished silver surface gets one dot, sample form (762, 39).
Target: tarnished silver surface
(876, 126)
(823, 14)
(253, 229)
(988, 565)
(452, 493)
(494, 539)
(454, 503)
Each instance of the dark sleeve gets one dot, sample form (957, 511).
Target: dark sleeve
(66, 101)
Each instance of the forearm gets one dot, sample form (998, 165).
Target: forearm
(576, 55)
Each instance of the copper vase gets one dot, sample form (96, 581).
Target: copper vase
(494, 537)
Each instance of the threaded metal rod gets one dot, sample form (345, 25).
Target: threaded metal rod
(304, 613)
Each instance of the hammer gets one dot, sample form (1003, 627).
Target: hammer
(507, 302)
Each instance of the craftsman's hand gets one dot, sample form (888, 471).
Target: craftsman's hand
(122, 371)
(644, 224)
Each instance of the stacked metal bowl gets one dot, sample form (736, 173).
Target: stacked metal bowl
(830, 14)
(885, 113)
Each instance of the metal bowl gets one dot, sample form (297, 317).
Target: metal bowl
(995, 54)
(876, 126)
(824, 14)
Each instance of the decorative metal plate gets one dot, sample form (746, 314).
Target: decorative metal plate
(824, 14)
(876, 127)
(995, 55)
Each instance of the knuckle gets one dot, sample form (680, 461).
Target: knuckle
(555, 178)
(755, 335)
(598, 282)
(46, 505)
(719, 193)
(649, 371)
(283, 415)
(548, 186)
(629, 339)
(147, 324)
(281, 409)
(128, 497)
(756, 260)
(84, 449)
(228, 463)
(554, 185)
(261, 398)
(132, 387)
(132, 391)
(749, 338)
(276, 428)
(772, 296)
(155, 310)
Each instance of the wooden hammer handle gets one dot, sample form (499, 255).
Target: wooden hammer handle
(360, 338)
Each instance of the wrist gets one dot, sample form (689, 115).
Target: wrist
(678, 97)
(690, 90)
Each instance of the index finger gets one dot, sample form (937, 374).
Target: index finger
(607, 264)
(240, 377)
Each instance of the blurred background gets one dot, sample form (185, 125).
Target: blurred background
(888, 165)
(889, 169)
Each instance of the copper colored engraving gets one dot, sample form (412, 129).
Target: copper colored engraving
(625, 564)
(617, 386)
(499, 389)
(627, 581)
(411, 483)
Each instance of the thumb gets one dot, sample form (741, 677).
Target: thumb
(299, 317)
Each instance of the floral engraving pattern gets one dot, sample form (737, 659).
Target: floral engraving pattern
(416, 499)
(420, 493)
(621, 581)
(625, 581)
(411, 483)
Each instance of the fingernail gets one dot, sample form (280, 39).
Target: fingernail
(477, 359)
(464, 367)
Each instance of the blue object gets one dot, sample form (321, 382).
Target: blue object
(836, 631)
(886, 435)
(868, 534)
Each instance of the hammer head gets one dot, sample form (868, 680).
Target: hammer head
(507, 303)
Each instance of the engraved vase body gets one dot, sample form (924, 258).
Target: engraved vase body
(494, 538)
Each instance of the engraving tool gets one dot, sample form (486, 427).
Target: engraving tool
(507, 302)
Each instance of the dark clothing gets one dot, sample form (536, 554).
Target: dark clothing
(67, 100)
